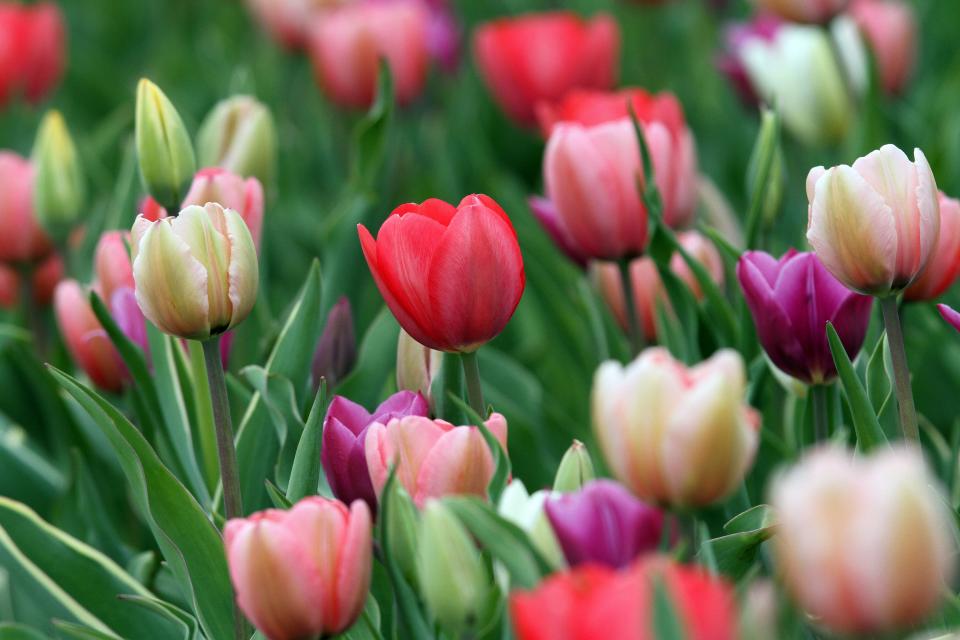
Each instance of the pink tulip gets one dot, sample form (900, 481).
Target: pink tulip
(287, 21)
(231, 192)
(433, 457)
(46, 276)
(21, 237)
(890, 28)
(111, 263)
(88, 343)
(301, 573)
(944, 265)
(347, 45)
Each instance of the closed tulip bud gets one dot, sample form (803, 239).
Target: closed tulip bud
(680, 436)
(526, 511)
(539, 57)
(164, 150)
(111, 263)
(417, 366)
(813, 11)
(231, 192)
(239, 135)
(196, 275)
(943, 267)
(890, 28)
(433, 458)
(87, 341)
(575, 470)
(343, 454)
(874, 225)
(402, 527)
(58, 189)
(792, 300)
(336, 352)
(864, 544)
(468, 277)
(453, 579)
(22, 239)
(301, 573)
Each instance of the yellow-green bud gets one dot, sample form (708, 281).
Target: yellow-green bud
(401, 523)
(417, 366)
(575, 470)
(239, 136)
(58, 189)
(167, 163)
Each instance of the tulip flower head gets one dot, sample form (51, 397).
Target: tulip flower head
(864, 544)
(196, 275)
(88, 342)
(239, 135)
(288, 21)
(58, 188)
(164, 150)
(336, 351)
(943, 267)
(875, 225)
(736, 36)
(890, 27)
(526, 510)
(46, 276)
(452, 276)
(22, 239)
(32, 50)
(304, 572)
(231, 192)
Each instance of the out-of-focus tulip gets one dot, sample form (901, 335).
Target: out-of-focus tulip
(592, 602)
(231, 192)
(526, 511)
(288, 21)
(239, 135)
(671, 142)
(433, 458)
(301, 573)
(452, 276)
(792, 300)
(575, 469)
(58, 188)
(343, 453)
(151, 209)
(22, 239)
(603, 523)
(46, 276)
(891, 29)
(680, 436)
(736, 35)
(943, 267)
(875, 225)
(546, 214)
(164, 150)
(337, 348)
(111, 264)
(759, 611)
(950, 315)
(86, 339)
(454, 581)
(813, 11)
(196, 275)
(347, 45)
(540, 57)
(32, 50)
(417, 366)
(864, 544)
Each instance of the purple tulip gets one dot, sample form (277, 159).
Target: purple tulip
(950, 315)
(336, 352)
(344, 431)
(730, 63)
(791, 301)
(546, 214)
(604, 523)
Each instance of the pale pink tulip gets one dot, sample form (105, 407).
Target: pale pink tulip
(245, 196)
(111, 264)
(890, 28)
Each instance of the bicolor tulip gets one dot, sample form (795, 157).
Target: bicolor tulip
(736, 36)
(301, 573)
(44, 280)
(88, 342)
(164, 150)
(452, 276)
(890, 28)
(603, 523)
(539, 57)
(196, 275)
(813, 11)
(943, 267)
(58, 186)
(526, 510)
(347, 45)
(417, 366)
(22, 239)
(875, 225)
(792, 300)
(32, 50)
(680, 436)
(231, 192)
(336, 351)
(239, 135)
(593, 602)
(433, 458)
(343, 454)
(864, 544)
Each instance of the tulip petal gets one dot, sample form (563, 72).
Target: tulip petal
(203, 229)
(950, 315)
(354, 566)
(459, 463)
(243, 271)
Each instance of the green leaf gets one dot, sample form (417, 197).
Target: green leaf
(367, 627)
(376, 361)
(305, 475)
(758, 517)
(865, 423)
(279, 500)
(666, 620)
(81, 632)
(280, 398)
(25, 474)
(764, 174)
(370, 135)
(182, 620)
(879, 387)
(12, 631)
(190, 544)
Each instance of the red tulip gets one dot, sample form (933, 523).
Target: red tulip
(88, 343)
(540, 57)
(32, 43)
(21, 237)
(452, 276)
(45, 278)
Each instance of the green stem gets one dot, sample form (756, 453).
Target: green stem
(633, 322)
(821, 419)
(471, 375)
(206, 425)
(232, 505)
(901, 371)
(595, 321)
(32, 317)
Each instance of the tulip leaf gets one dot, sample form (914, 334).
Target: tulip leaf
(276, 496)
(280, 398)
(758, 517)
(183, 621)
(305, 474)
(81, 632)
(666, 619)
(879, 388)
(762, 173)
(27, 475)
(375, 362)
(13, 631)
(865, 424)
(370, 135)
(188, 541)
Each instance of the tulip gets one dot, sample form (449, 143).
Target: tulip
(288, 21)
(304, 572)
(32, 50)
(45, 278)
(575, 469)
(950, 315)
(875, 225)
(164, 150)
(231, 192)
(603, 523)
(526, 511)
(22, 239)
(813, 11)
(451, 276)
(58, 189)
(336, 352)
(864, 544)
(116, 286)
(943, 267)
(890, 27)
(593, 601)
(196, 274)
(676, 435)
(433, 458)
(347, 45)
(86, 339)
(792, 300)
(343, 454)
(239, 135)
(417, 366)
(736, 36)
(548, 217)
(539, 57)
(151, 209)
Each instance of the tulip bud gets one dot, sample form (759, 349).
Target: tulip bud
(417, 366)
(86, 339)
(196, 275)
(58, 189)
(526, 511)
(768, 145)
(163, 146)
(111, 264)
(239, 135)
(575, 470)
(454, 582)
(337, 349)
(864, 544)
(402, 524)
(231, 192)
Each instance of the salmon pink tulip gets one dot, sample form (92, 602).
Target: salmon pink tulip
(87, 341)
(944, 265)
(890, 27)
(231, 192)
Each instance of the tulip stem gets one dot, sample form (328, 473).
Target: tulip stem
(471, 375)
(226, 452)
(821, 421)
(633, 322)
(32, 318)
(206, 429)
(901, 371)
